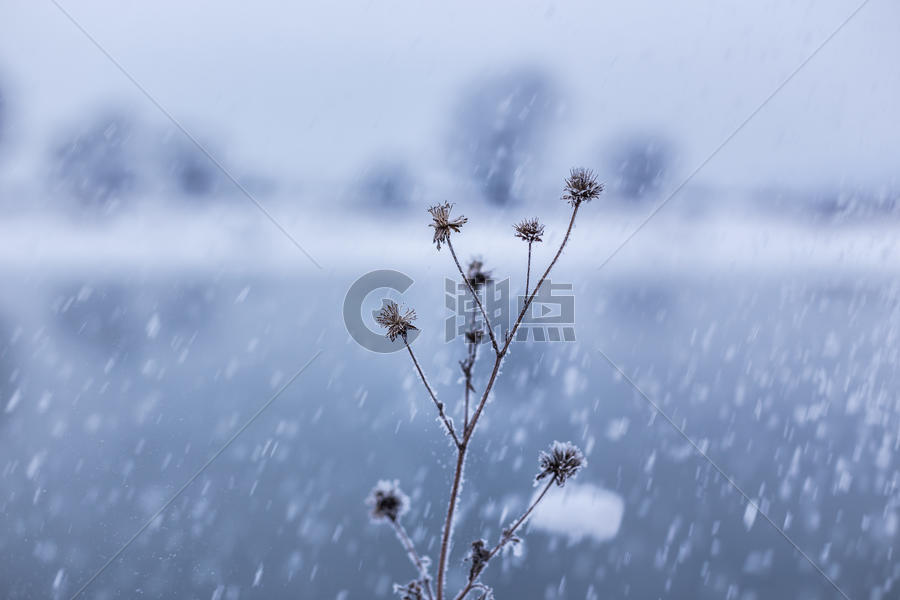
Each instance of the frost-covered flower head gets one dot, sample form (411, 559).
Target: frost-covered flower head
(410, 591)
(397, 322)
(581, 186)
(477, 274)
(388, 501)
(562, 462)
(529, 230)
(443, 224)
(479, 556)
(474, 336)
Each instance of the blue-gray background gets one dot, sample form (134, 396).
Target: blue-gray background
(148, 308)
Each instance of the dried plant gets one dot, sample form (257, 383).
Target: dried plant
(388, 501)
(557, 465)
(397, 322)
(476, 274)
(582, 186)
(529, 230)
(443, 224)
(562, 462)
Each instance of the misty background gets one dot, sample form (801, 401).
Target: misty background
(149, 307)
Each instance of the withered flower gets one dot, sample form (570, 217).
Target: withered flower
(443, 224)
(410, 591)
(397, 322)
(581, 186)
(562, 462)
(529, 230)
(479, 556)
(388, 501)
(474, 336)
(477, 274)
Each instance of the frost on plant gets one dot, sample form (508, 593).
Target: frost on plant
(529, 230)
(397, 321)
(582, 186)
(563, 460)
(388, 501)
(443, 224)
(411, 591)
(479, 557)
(477, 274)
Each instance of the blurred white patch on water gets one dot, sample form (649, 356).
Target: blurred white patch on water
(582, 510)
(750, 513)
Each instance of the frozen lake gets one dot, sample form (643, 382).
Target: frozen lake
(118, 383)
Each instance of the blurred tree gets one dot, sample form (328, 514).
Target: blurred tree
(641, 163)
(387, 183)
(97, 165)
(187, 168)
(498, 130)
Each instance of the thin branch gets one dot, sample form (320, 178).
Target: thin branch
(500, 355)
(467, 366)
(468, 373)
(537, 288)
(475, 586)
(463, 445)
(417, 562)
(437, 403)
(507, 536)
(487, 321)
(509, 533)
(528, 272)
(448, 522)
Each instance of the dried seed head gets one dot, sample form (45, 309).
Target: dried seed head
(529, 230)
(443, 224)
(479, 556)
(387, 501)
(476, 274)
(397, 322)
(474, 336)
(410, 591)
(562, 462)
(581, 186)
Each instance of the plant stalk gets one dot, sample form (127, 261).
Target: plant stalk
(487, 321)
(469, 430)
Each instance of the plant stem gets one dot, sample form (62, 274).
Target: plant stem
(487, 321)
(537, 288)
(466, 406)
(507, 535)
(467, 366)
(413, 556)
(463, 444)
(439, 405)
(528, 272)
(448, 523)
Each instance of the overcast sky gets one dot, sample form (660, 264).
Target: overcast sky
(315, 90)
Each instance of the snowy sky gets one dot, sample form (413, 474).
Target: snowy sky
(314, 90)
